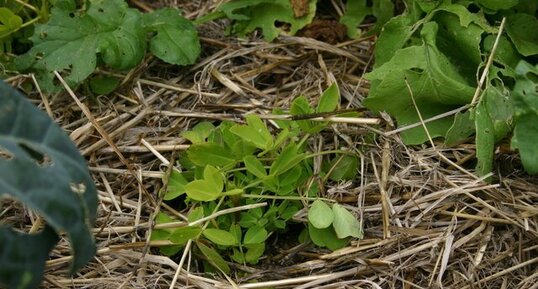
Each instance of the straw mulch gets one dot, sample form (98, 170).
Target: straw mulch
(429, 222)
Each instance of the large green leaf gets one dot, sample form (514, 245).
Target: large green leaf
(485, 140)
(176, 41)
(526, 115)
(252, 14)
(521, 29)
(435, 85)
(71, 41)
(22, 257)
(42, 168)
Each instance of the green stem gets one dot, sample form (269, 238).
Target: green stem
(293, 198)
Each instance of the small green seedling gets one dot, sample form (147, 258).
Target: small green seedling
(231, 165)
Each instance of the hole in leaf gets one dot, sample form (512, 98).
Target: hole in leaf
(78, 188)
(417, 70)
(42, 160)
(101, 10)
(533, 77)
(72, 15)
(5, 154)
(473, 8)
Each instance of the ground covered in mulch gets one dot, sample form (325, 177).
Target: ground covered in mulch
(428, 220)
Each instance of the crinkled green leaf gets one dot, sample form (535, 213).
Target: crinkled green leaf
(505, 53)
(395, 34)
(525, 96)
(320, 215)
(435, 84)
(462, 128)
(345, 224)
(42, 168)
(499, 105)
(209, 154)
(72, 41)
(520, 27)
(356, 11)
(497, 4)
(485, 140)
(176, 40)
(220, 237)
(252, 14)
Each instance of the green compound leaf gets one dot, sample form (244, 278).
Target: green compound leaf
(202, 190)
(209, 154)
(213, 257)
(42, 168)
(213, 176)
(255, 235)
(255, 166)
(180, 236)
(108, 28)
(252, 14)
(288, 159)
(435, 85)
(525, 96)
(176, 186)
(254, 252)
(176, 41)
(343, 168)
(345, 224)
(199, 133)
(255, 132)
(220, 237)
(329, 99)
(320, 215)
(326, 237)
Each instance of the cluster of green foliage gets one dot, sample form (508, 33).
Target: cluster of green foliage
(432, 56)
(17, 20)
(42, 168)
(240, 164)
(103, 33)
(427, 62)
